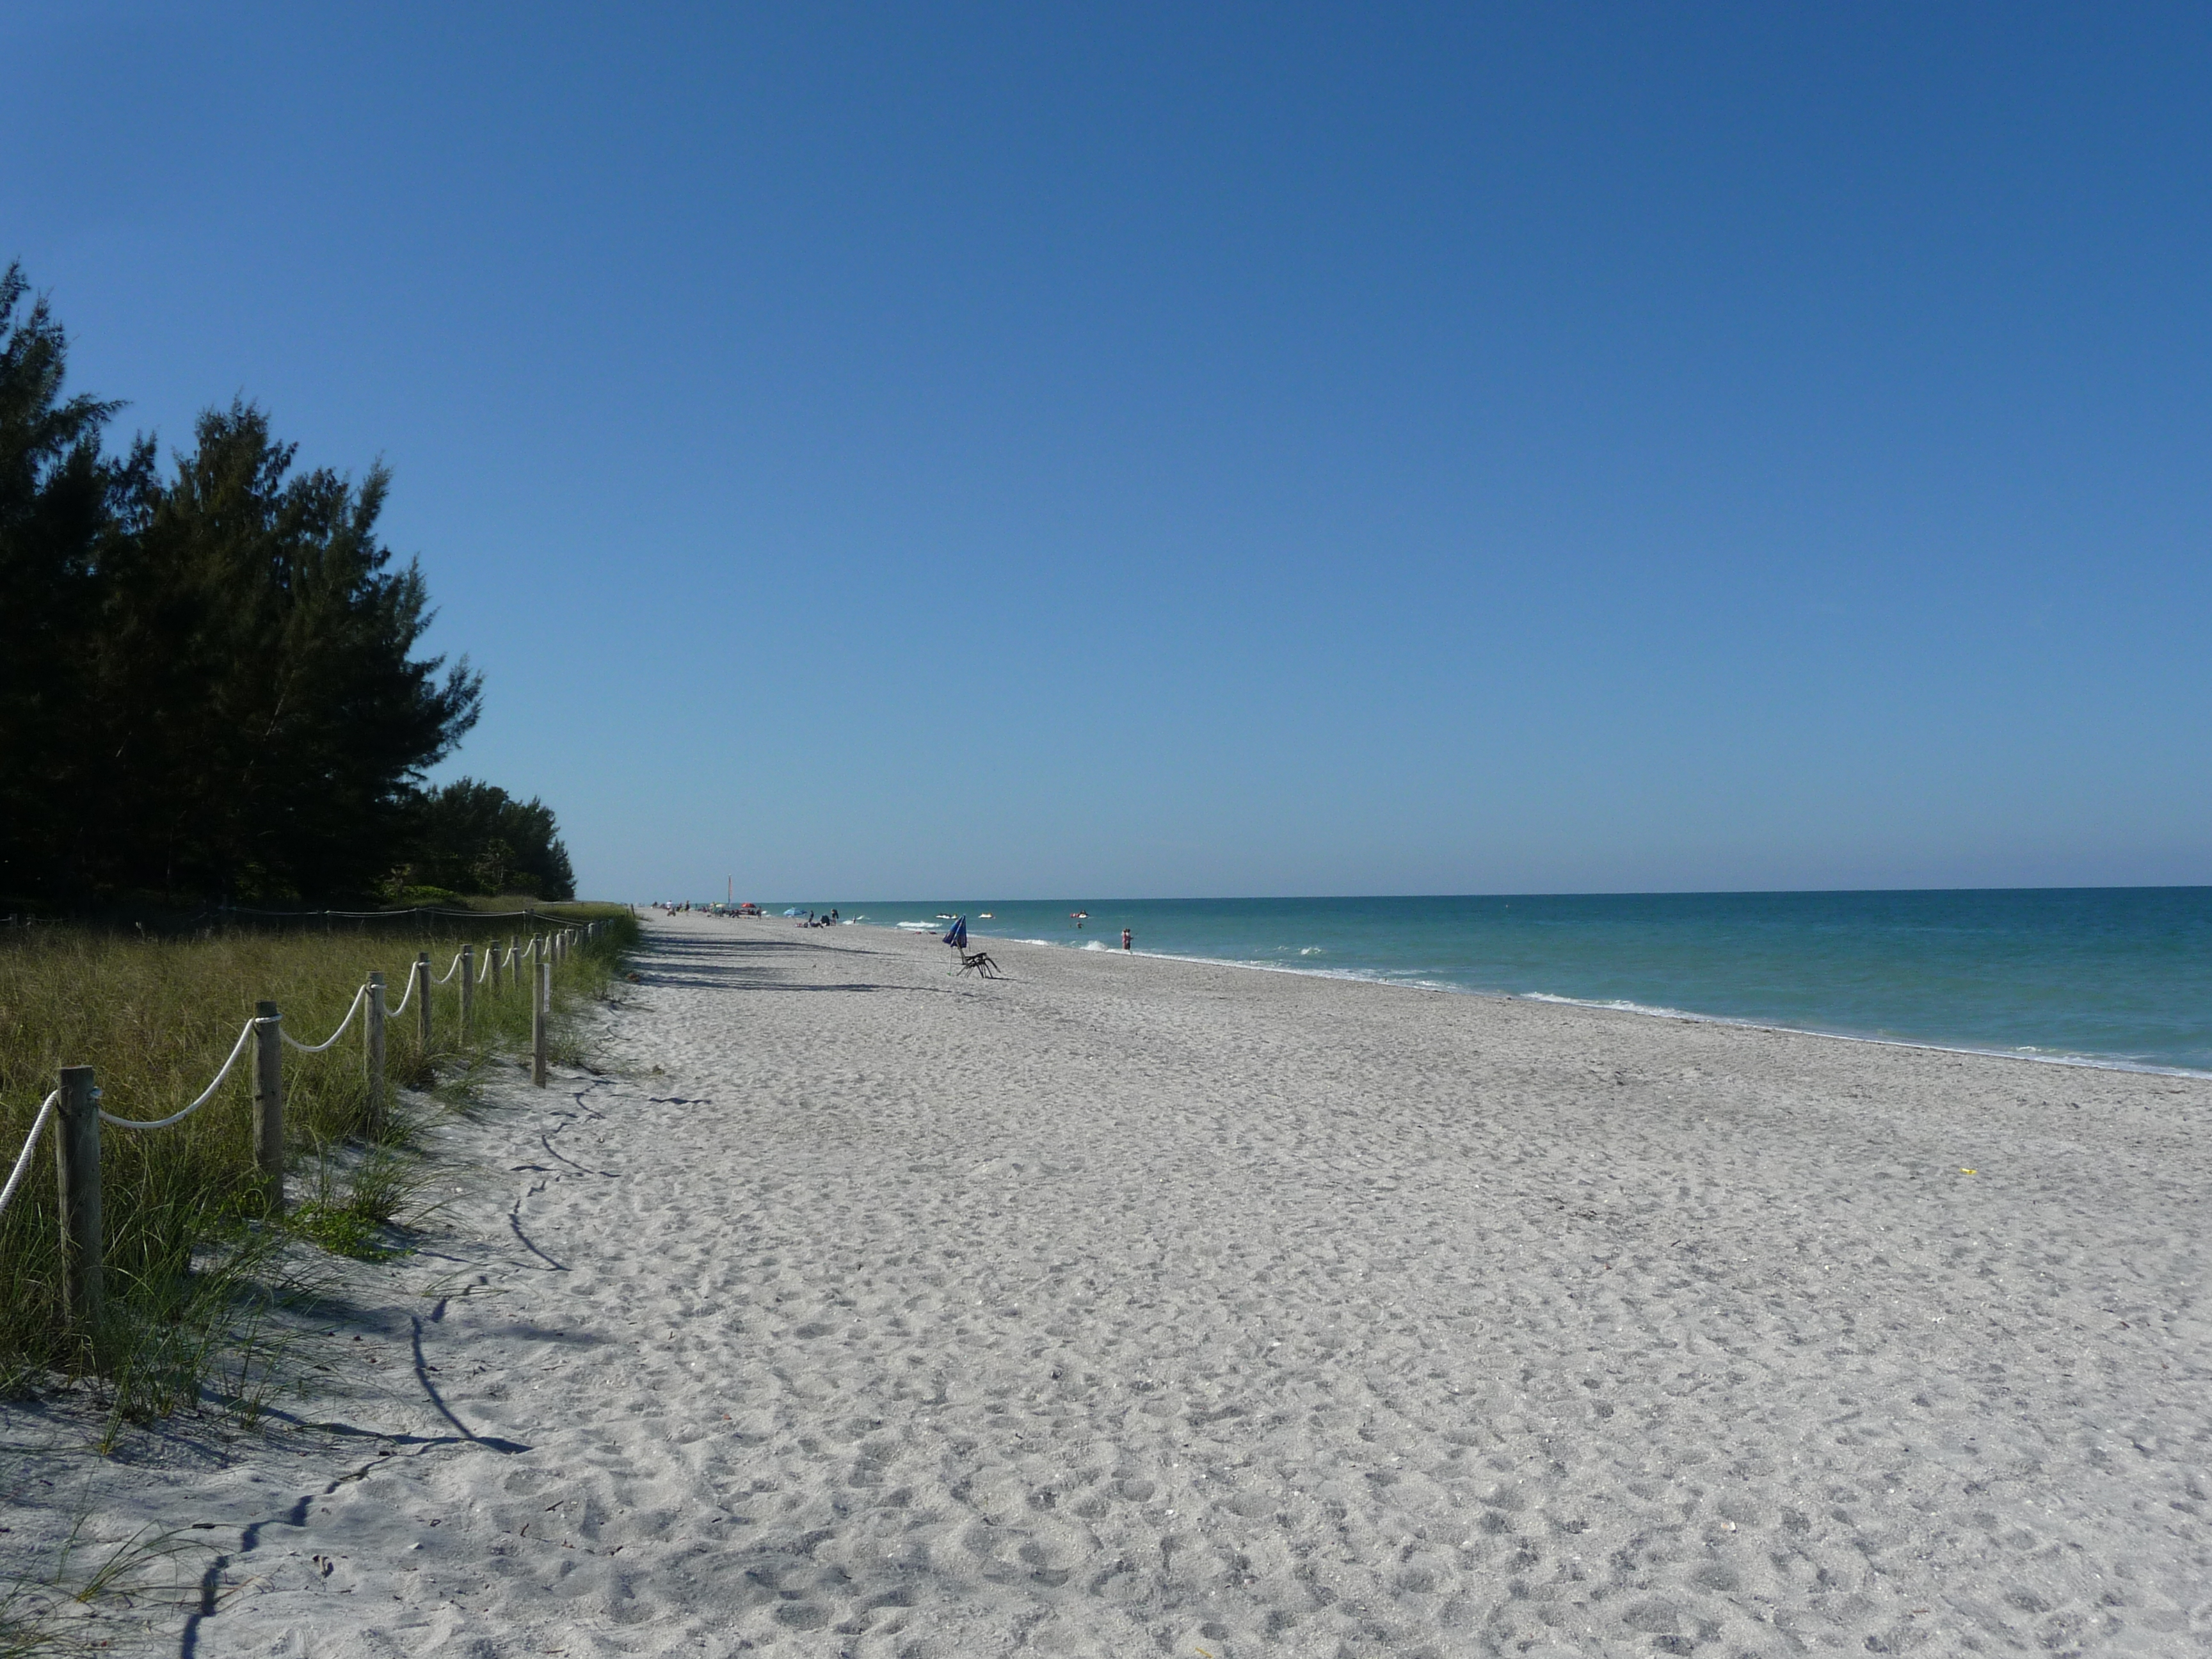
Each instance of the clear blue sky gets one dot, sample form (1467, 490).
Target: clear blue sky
(1204, 450)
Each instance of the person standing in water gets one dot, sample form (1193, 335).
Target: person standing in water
(1124, 938)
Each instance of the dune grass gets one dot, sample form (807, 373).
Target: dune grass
(189, 1244)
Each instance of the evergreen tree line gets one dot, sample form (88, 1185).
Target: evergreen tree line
(210, 686)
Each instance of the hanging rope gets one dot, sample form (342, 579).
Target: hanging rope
(359, 997)
(451, 971)
(244, 1036)
(24, 1159)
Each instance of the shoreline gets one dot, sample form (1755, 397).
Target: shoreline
(1358, 977)
(852, 1305)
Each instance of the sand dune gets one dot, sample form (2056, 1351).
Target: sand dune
(1137, 1307)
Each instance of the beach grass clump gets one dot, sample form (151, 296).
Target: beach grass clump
(358, 1212)
(191, 1251)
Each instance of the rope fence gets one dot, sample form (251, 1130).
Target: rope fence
(352, 1008)
(23, 1158)
(207, 1094)
(75, 1106)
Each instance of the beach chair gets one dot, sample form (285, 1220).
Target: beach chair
(979, 962)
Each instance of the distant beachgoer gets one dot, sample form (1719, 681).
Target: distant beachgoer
(1124, 938)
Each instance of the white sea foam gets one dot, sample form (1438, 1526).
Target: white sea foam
(2037, 1056)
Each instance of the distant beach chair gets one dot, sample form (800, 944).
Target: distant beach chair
(979, 962)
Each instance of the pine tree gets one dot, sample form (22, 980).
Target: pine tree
(258, 648)
(476, 838)
(208, 681)
(65, 506)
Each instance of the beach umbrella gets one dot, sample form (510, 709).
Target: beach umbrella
(957, 938)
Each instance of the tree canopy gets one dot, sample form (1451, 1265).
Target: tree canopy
(477, 838)
(209, 678)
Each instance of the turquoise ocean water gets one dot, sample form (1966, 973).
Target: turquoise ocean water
(2112, 975)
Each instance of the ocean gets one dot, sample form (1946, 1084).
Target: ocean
(2116, 976)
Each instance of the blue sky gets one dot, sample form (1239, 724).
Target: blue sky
(1050, 450)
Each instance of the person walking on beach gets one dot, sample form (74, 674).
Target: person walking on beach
(1124, 938)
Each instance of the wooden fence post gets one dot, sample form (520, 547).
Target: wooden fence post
(468, 990)
(422, 969)
(76, 1164)
(541, 1007)
(269, 1102)
(514, 960)
(373, 1052)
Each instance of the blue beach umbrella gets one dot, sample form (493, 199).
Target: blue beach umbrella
(957, 938)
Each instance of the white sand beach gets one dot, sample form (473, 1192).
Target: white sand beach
(1135, 1307)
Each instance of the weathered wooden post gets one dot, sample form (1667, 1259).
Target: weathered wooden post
(373, 1052)
(269, 1102)
(76, 1164)
(541, 1009)
(514, 960)
(468, 991)
(422, 992)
